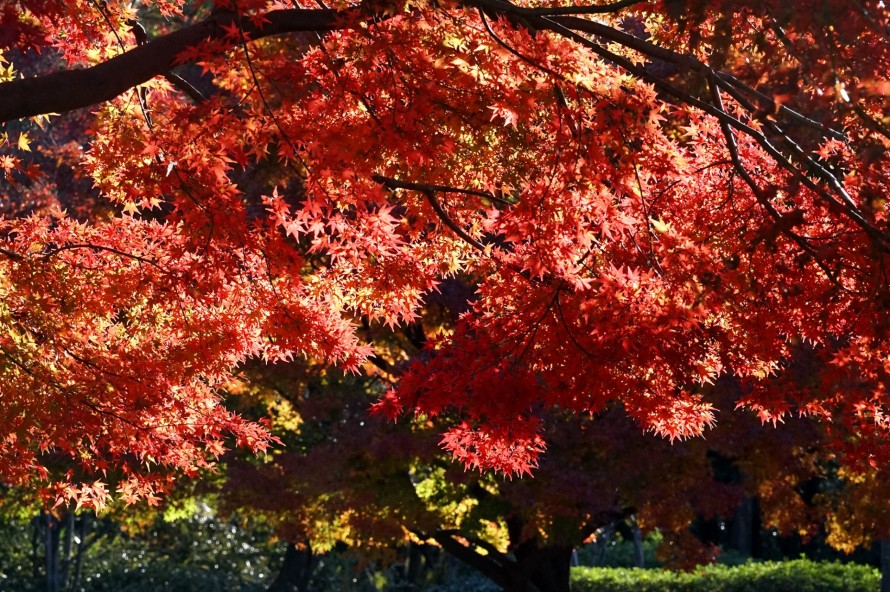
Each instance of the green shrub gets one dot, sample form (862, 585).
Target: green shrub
(799, 575)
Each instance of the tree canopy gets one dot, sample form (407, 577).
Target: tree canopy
(648, 194)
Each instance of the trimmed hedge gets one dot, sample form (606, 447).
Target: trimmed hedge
(799, 575)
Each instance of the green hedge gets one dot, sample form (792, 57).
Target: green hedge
(799, 575)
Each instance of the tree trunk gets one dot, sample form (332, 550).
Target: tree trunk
(885, 565)
(414, 567)
(529, 569)
(740, 528)
(548, 568)
(51, 548)
(81, 548)
(639, 557)
(745, 529)
(296, 570)
(601, 546)
(65, 558)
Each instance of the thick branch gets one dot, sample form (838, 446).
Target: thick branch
(11, 254)
(595, 9)
(491, 566)
(74, 89)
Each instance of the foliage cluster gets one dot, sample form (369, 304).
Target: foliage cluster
(650, 199)
(800, 575)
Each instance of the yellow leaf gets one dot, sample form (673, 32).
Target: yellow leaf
(42, 120)
(24, 141)
(659, 226)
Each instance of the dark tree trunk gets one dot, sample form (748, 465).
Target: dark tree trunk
(740, 535)
(51, 548)
(414, 567)
(885, 565)
(65, 562)
(296, 570)
(639, 556)
(601, 546)
(530, 568)
(744, 530)
(81, 549)
(548, 568)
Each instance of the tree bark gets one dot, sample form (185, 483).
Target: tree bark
(491, 565)
(51, 554)
(65, 561)
(885, 565)
(741, 534)
(414, 567)
(74, 89)
(601, 546)
(639, 556)
(548, 568)
(530, 568)
(81, 548)
(296, 570)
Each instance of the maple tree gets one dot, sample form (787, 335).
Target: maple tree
(652, 193)
(345, 478)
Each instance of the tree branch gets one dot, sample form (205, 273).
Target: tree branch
(185, 86)
(74, 89)
(488, 565)
(567, 26)
(11, 254)
(429, 191)
(391, 183)
(595, 9)
(781, 223)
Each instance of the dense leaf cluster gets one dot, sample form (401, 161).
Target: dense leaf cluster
(648, 196)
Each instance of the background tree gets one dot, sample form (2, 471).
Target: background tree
(345, 478)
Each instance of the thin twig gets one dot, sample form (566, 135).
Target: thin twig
(55, 251)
